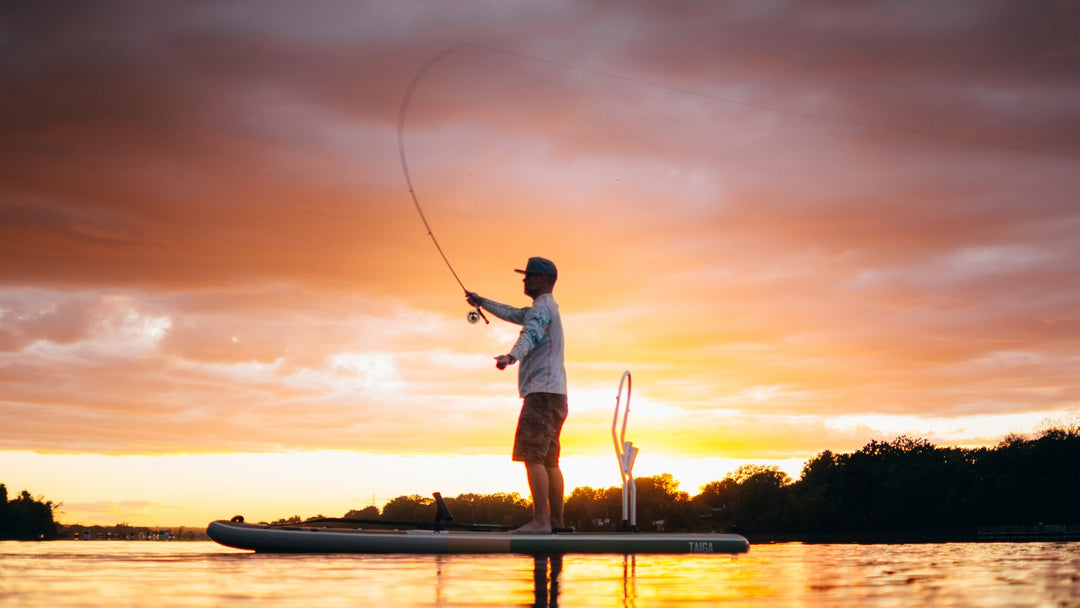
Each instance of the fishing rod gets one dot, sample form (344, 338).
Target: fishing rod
(475, 315)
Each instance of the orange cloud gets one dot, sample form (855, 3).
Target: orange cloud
(776, 219)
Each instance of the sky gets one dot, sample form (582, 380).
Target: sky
(801, 226)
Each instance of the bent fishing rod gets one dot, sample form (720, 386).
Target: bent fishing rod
(475, 315)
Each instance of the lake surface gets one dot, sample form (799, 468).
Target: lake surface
(100, 574)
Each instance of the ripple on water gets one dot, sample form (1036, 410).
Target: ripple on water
(99, 574)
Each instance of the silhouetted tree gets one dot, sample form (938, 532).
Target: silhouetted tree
(26, 517)
(368, 512)
(410, 508)
(499, 509)
(757, 497)
(714, 505)
(587, 509)
(660, 504)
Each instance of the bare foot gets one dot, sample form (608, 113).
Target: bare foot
(533, 527)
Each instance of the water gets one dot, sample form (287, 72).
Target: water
(100, 574)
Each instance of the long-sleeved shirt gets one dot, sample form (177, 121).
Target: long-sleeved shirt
(539, 347)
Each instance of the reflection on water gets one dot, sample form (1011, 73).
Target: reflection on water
(178, 574)
(546, 571)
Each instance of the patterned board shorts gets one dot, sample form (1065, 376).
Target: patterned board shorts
(539, 425)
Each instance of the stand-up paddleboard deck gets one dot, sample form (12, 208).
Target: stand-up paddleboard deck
(301, 539)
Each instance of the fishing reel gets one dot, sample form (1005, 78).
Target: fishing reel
(475, 315)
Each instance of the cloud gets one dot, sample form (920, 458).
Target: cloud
(775, 214)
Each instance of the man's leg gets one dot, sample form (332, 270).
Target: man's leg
(540, 488)
(555, 496)
(536, 443)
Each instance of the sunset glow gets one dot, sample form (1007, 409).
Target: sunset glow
(800, 226)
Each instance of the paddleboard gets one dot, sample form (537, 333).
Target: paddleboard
(265, 538)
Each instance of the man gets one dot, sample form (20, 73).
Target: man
(542, 386)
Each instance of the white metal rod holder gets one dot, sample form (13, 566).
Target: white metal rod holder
(626, 453)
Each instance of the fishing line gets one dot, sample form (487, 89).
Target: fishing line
(477, 314)
(480, 343)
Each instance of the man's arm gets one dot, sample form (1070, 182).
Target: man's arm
(501, 361)
(533, 331)
(503, 311)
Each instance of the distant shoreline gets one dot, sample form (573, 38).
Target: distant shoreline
(980, 534)
(130, 533)
(987, 534)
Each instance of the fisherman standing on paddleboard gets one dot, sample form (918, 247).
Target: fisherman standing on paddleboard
(542, 386)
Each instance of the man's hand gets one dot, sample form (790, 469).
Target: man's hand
(473, 298)
(503, 360)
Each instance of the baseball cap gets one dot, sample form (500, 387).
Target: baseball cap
(537, 265)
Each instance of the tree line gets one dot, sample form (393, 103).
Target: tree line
(908, 486)
(26, 517)
(904, 486)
